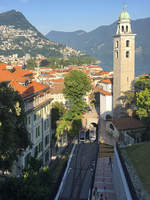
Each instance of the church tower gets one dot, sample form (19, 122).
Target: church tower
(123, 60)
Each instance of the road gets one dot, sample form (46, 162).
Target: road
(80, 173)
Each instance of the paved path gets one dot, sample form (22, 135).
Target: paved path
(103, 179)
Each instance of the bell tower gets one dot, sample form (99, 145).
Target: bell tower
(123, 60)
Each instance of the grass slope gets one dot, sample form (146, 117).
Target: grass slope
(139, 155)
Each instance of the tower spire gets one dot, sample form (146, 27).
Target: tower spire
(124, 7)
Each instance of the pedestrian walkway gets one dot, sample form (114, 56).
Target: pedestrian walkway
(103, 179)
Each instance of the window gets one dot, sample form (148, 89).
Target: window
(126, 28)
(35, 117)
(47, 157)
(36, 151)
(46, 124)
(117, 44)
(37, 131)
(127, 43)
(29, 120)
(40, 146)
(29, 136)
(46, 140)
(25, 120)
(122, 28)
(27, 159)
(116, 54)
(127, 54)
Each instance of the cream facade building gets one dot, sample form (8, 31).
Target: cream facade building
(39, 128)
(37, 100)
(38, 123)
(123, 60)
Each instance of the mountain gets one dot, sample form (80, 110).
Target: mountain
(99, 43)
(19, 36)
(16, 19)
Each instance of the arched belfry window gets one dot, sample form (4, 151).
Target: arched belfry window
(127, 29)
(117, 44)
(127, 54)
(127, 43)
(122, 28)
(117, 54)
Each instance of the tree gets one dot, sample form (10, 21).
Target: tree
(77, 84)
(33, 167)
(143, 103)
(13, 133)
(58, 109)
(44, 63)
(71, 122)
(128, 100)
(142, 83)
(143, 110)
(31, 64)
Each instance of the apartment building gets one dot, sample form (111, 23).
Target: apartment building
(37, 101)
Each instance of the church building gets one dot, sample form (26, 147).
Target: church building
(123, 60)
(110, 90)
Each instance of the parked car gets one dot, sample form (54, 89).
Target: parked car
(82, 136)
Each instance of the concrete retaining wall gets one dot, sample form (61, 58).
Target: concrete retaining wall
(119, 180)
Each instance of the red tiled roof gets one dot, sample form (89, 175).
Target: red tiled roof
(144, 75)
(94, 67)
(21, 72)
(48, 68)
(18, 74)
(57, 88)
(32, 88)
(5, 75)
(22, 79)
(127, 123)
(60, 80)
(101, 91)
(107, 81)
(3, 65)
(18, 67)
(102, 73)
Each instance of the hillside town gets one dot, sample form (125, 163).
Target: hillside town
(93, 130)
(18, 39)
(12, 38)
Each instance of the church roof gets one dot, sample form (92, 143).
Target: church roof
(124, 15)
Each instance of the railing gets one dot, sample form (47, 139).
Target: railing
(127, 176)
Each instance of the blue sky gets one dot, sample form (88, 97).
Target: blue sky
(71, 15)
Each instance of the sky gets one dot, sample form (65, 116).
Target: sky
(72, 15)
